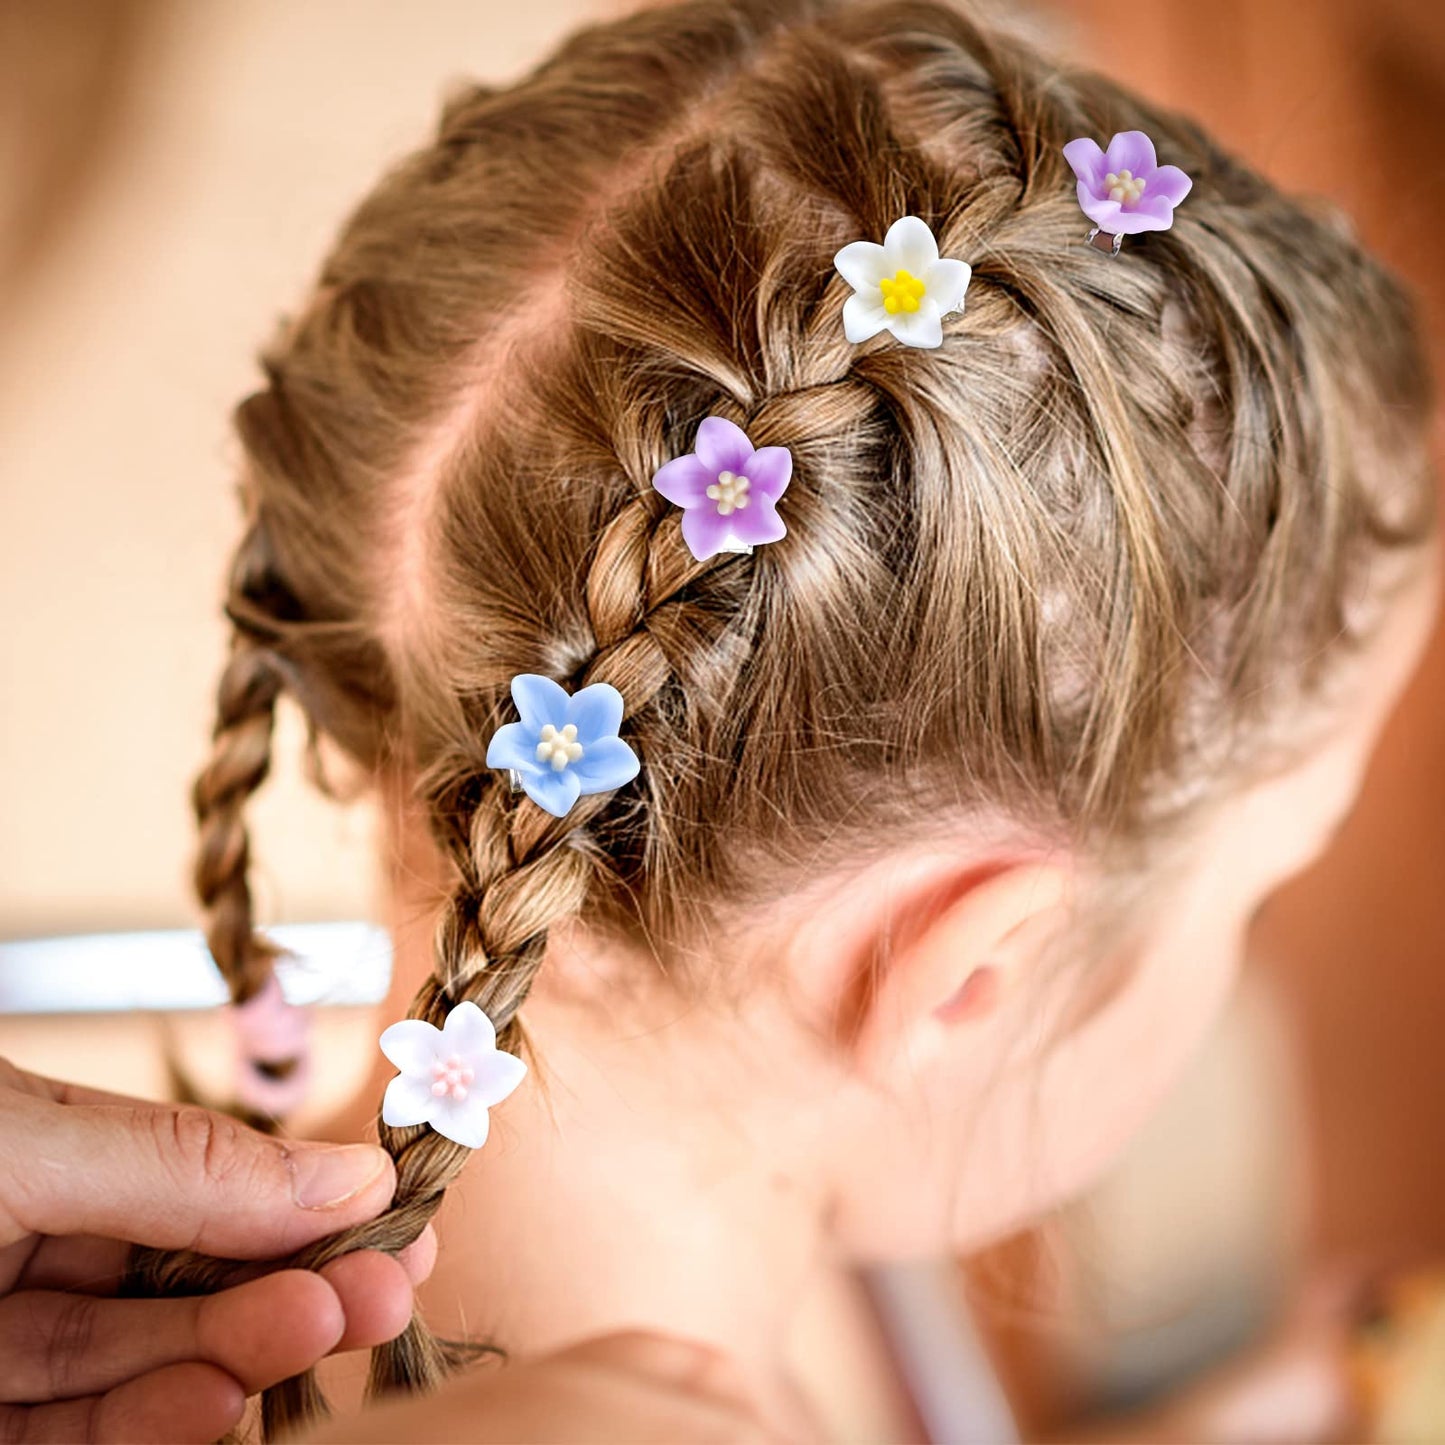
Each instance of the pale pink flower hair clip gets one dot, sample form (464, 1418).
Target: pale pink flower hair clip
(1124, 190)
(450, 1076)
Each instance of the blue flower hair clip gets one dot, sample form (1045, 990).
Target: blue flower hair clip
(1124, 190)
(565, 744)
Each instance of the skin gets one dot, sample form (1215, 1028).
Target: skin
(693, 1159)
(644, 1388)
(83, 1175)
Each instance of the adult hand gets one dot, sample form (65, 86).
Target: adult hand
(83, 1175)
(646, 1389)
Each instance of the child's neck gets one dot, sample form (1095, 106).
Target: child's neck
(644, 1175)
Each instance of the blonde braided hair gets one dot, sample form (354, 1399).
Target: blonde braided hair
(1033, 571)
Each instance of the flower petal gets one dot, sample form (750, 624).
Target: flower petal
(722, 446)
(468, 1031)
(1147, 215)
(411, 1045)
(1131, 150)
(556, 791)
(910, 244)
(758, 524)
(1169, 182)
(597, 711)
(861, 264)
(539, 700)
(464, 1121)
(863, 315)
(684, 480)
(923, 327)
(704, 531)
(606, 764)
(513, 746)
(1087, 161)
(496, 1076)
(947, 281)
(769, 470)
(1159, 209)
(1103, 213)
(407, 1101)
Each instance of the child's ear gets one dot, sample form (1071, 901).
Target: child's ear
(944, 961)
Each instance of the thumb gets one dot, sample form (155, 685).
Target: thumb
(180, 1178)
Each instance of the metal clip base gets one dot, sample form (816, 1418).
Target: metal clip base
(1103, 241)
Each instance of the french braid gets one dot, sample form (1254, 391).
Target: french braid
(519, 871)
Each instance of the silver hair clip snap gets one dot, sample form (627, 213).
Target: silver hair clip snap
(1103, 241)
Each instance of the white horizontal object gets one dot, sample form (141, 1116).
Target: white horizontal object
(949, 1377)
(334, 964)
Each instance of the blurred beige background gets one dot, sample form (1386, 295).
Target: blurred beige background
(242, 133)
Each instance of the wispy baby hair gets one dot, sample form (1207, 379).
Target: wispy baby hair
(1061, 568)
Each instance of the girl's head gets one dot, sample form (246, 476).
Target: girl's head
(1076, 644)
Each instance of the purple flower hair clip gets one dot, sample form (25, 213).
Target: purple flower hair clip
(727, 489)
(1124, 190)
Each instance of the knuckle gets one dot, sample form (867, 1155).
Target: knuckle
(190, 1138)
(67, 1333)
(205, 1148)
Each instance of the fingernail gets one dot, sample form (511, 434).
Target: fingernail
(324, 1178)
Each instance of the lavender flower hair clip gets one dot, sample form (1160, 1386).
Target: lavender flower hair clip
(1124, 190)
(902, 286)
(728, 490)
(565, 744)
(450, 1076)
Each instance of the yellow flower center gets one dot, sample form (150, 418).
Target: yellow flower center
(901, 292)
(730, 492)
(558, 748)
(1124, 187)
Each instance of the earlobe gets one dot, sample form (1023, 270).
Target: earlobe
(946, 956)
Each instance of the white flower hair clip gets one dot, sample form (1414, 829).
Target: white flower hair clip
(902, 286)
(450, 1076)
